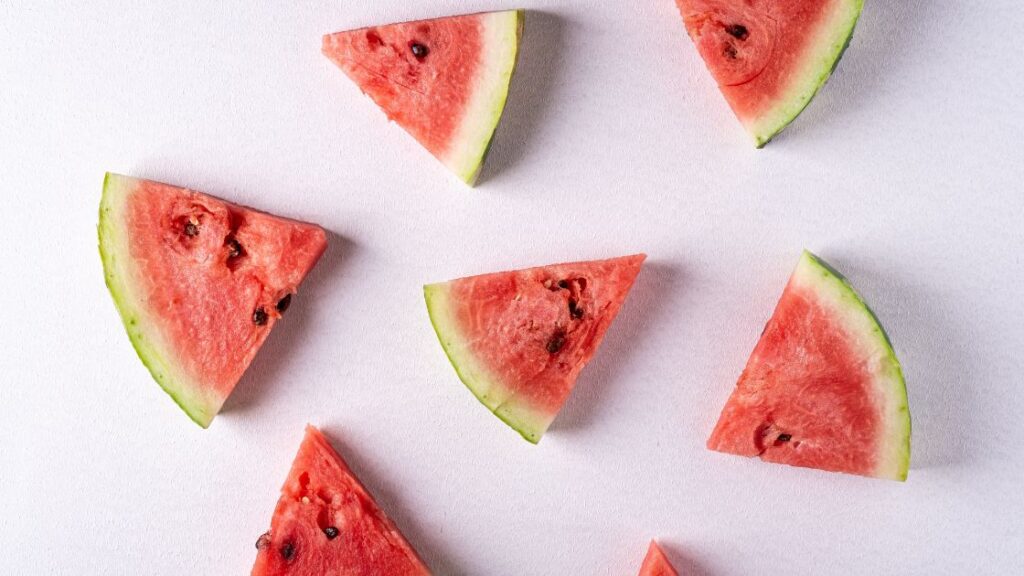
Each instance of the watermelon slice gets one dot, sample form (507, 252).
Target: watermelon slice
(519, 339)
(823, 388)
(656, 564)
(444, 80)
(770, 57)
(326, 523)
(199, 283)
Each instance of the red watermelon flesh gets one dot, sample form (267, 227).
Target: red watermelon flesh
(443, 80)
(770, 57)
(656, 564)
(519, 339)
(199, 282)
(823, 388)
(327, 524)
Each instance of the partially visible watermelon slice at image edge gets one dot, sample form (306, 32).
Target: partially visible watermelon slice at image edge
(518, 340)
(326, 523)
(656, 563)
(444, 80)
(823, 388)
(199, 283)
(770, 57)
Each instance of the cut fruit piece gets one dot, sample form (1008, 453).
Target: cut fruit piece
(519, 339)
(770, 57)
(326, 523)
(444, 80)
(199, 283)
(656, 564)
(823, 388)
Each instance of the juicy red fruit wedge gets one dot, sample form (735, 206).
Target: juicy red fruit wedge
(327, 523)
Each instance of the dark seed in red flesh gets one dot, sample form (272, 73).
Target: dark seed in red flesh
(419, 50)
(785, 437)
(331, 532)
(263, 541)
(234, 248)
(730, 52)
(737, 31)
(288, 551)
(574, 310)
(259, 316)
(284, 303)
(556, 342)
(563, 284)
(191, 230)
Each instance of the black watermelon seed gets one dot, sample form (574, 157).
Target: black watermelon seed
(563, 284)
(259, 316)
(331, 532)
(263, 541)
(737, 31)
(234, 248)
(574, 310)
(785, 437)
(191, 230)
(288, 551)
(730, 52)
(556, 342)
(284, 303)
(419, 50)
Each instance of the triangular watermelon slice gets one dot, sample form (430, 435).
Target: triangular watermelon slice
(823, 388)
(444, 80)
(326, 523)
(199, 283)
(770, 57)
(519, 339)
(656, 563)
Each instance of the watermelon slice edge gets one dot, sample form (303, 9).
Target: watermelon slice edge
(198, 282)
(519, 339)
(450, 100)
(823, 387)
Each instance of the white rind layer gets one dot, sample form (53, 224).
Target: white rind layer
(123, 281)
(472, 140)
(836, 293)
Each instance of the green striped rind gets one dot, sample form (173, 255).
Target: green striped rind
(849, 308)
(822, 57)
(120, 276)
(528, 422)
(472, 141)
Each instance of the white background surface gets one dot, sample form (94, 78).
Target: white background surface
(905, 173)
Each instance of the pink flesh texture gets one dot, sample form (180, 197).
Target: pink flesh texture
(753, 73)
(656, 563)
(427, 96)
(511, 318)
(804, 380)
(201, 299)
(320, 493)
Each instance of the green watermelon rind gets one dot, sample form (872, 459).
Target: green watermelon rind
(837, 39)
(476, 132)
(531, 425)
(894, 461)
(114, 252)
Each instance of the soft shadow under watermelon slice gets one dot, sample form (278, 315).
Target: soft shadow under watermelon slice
(199, 283)
(823, 388)
(656, 563)
(519, 339)
(445, 80)
(327, 523)
(770, 57)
